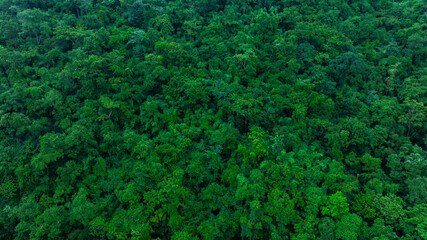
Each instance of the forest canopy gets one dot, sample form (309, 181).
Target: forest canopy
(213, 119)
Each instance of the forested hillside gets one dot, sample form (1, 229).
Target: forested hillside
(213, 119)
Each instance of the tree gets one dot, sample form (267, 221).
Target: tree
(192, 28)
(245, 60)
(245, 4)
(415, 115)
(52, 149)
(364, 206)
(52, 223)
(247, 107)
(162, 25)
(348, 68)
(327, 228)
(34, 23)
(337, 206)
(73, 34)
(370, 163)
(390, 206)
(140, 12)
(348, 228)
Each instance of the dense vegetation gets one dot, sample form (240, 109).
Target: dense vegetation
(213, 119)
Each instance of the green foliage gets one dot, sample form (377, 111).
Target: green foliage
(213, 119)
(348, 227)
(337, 205)
(390, 206)
(348, 68)
(415, 116)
